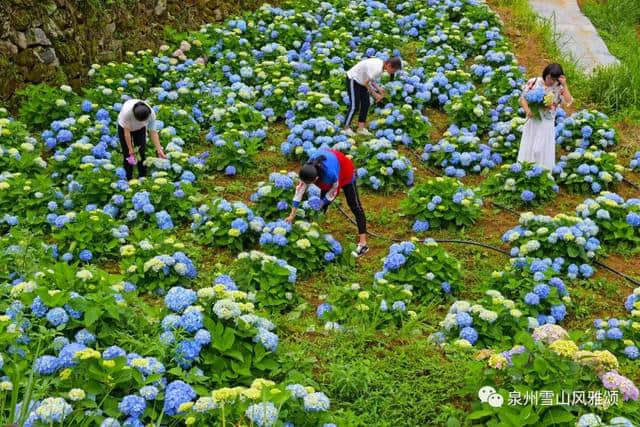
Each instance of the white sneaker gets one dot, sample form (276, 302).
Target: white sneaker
(364, 132)
(360, 251)
(349, 132)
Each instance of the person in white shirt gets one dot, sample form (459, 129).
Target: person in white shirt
(135, 118)
(361, 81)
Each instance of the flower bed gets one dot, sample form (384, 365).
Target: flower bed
(429, 270)
(521, 184)
(441, 203)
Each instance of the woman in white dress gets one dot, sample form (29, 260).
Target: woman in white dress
(538, 144)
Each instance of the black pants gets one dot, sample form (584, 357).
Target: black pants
(359, 100)
(139, 139)
(353, 200)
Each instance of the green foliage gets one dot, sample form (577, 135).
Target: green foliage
(41, 104)
(444, 202)
(430, 271)
(468, 109)
(89, 230)
(377, 306)
(272, 280)
(616, 88)
(508, 184)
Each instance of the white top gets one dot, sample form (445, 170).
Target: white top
(368, 69)
(127, 120)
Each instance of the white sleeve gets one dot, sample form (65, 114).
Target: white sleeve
(331, 194)
(151, 123)
(301, 188)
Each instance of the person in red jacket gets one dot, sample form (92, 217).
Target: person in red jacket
(331, 171)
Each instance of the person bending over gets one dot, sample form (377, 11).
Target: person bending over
(135, 118)
(331, 171)
(361, 81)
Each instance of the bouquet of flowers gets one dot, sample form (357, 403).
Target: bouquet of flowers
(539, 101)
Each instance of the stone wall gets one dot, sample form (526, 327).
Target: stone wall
(56, 41)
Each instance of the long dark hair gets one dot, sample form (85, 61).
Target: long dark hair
(312, 169)
(553, 70)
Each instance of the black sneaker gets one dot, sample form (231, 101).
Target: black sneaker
(361, 250)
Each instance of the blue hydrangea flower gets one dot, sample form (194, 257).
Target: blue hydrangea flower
(46, 365)
(177, 393)
(132, 405)
(420, 226)
(267, 338)
(57, 316)
(527, 196)
(322, 309)
(632, 352)
(469, 334)
(262, 414)
(315, 402)
(179, 298)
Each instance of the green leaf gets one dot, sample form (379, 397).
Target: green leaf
(91, 315)
(482, 413)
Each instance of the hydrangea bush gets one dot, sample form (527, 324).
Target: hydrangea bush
(440, 203)
(505, 137)
(491, 321)
(379, 305)
(539, 293)
(302, 245)
(272, 280)
(223, 223)
(570, 237)
(428, 269)
(380, 167)
(588, 171)
(585, 129)
(617, 219)
(521, 184)
(272, 200)
(460, 151)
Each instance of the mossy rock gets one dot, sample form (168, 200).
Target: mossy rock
(40, 73)
(24, 17)
(26, 58)
(67, 52)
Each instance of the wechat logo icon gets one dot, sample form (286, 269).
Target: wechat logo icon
(487, 394)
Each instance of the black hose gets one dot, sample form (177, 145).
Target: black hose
(483, 245)
(636, 186)
(464, 242)
(629, 278)
(499, 206)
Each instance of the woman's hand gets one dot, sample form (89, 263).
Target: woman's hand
(529, 113)
(132, 159)
(563, 80)
(289, 219)
(161, 154)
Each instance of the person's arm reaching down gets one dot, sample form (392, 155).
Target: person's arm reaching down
(301, 188)
(331, 194)
(156, 142)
